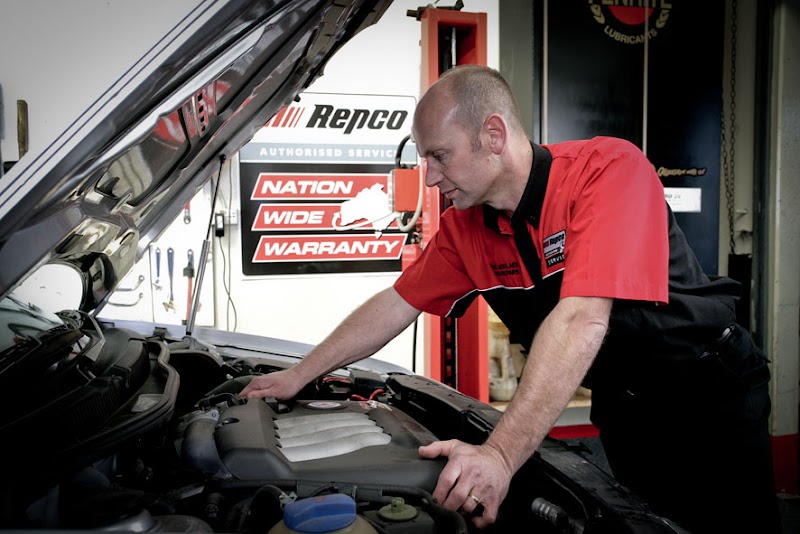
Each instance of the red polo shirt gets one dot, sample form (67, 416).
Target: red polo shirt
(602, 228)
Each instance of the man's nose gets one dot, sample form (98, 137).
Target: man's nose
(432, 176)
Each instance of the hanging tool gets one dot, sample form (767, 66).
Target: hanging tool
(188, 272)
(126, 290)
(22, 127)
(127, 304)
(134, 288)
(170, 306)
(157, 283)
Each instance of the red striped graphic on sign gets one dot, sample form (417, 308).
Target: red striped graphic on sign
(287, 117)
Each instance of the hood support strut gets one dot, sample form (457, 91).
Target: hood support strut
(201, 264)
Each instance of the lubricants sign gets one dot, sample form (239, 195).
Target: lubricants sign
(315, 187)
(631, 21)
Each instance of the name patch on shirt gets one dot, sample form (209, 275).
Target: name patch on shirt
(505, 269)
(553, 247)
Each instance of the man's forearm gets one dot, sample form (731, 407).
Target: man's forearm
(562, 352)
(361, 334)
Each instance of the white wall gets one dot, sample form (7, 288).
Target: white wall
(44, 43)
(382, 60)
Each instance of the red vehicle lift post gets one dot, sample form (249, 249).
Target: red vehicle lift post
(456, 350)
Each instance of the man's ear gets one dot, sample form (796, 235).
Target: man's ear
(497, 129)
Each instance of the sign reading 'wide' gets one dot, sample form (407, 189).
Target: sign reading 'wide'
(297, 217)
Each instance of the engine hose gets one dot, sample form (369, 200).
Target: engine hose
(199, 450)
(266, 508)
(555, 515)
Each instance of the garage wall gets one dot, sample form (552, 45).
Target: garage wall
(782, 239)
(382, 60)
(43, 43)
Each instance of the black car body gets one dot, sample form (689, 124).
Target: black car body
(136, 426)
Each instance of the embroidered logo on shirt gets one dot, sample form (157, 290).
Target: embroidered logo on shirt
(553, 247)
(505, 269)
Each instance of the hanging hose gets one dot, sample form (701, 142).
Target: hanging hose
(398, 165)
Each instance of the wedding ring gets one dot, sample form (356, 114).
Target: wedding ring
(479, 509)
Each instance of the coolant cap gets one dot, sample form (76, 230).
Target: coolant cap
(324, 513)
(398, 510)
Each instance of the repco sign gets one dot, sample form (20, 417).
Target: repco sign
(345, 114)
(327, 116)
(335, 128)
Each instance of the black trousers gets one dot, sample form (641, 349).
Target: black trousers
(692, 438)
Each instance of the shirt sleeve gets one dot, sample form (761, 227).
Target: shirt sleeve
(617, 242)
(437, 280)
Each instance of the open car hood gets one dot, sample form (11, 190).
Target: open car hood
(108, 186)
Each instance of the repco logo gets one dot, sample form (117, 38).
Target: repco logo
(327, 116)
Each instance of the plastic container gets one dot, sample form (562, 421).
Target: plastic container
(330, 514)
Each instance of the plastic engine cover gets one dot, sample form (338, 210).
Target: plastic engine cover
(362, 442)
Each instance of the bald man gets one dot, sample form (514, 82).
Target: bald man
(575, 248)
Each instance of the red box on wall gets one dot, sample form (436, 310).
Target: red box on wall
(407, 187)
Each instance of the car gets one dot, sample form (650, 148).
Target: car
(138, 426)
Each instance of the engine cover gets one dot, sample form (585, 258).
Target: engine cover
(361, 442)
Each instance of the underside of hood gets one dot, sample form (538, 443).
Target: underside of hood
(108, 186)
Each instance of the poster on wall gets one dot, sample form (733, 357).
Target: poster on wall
(316, 188)
(625, 70)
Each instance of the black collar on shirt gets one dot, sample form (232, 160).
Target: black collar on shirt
(530, 205)
(529, 209)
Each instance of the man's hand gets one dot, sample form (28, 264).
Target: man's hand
(281, 385)
(367, 329)
(473, 476)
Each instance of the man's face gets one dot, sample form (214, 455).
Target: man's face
(452, 164)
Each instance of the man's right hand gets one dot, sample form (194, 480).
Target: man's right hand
(280, 385)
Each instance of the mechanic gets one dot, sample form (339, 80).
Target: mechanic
(575, 248)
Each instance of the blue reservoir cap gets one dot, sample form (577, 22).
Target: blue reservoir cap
(325, 513)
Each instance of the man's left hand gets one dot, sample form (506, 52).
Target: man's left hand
(475, 479)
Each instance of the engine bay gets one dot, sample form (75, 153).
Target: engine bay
(148, 433)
